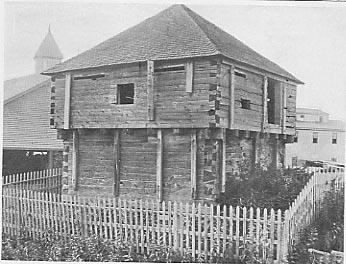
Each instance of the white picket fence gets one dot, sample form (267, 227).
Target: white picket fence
(202, 230)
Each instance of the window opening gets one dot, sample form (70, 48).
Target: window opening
(334, 159)
(273, 102)
(91, 76)
(170, 68)
(245, 104)
(314, 137)
(240, 74)
(294, 161)
(126, 93)
(334, 138)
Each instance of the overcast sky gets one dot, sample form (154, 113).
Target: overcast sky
(307, 39)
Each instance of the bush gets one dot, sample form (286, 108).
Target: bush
(326, 233)
(269, 188)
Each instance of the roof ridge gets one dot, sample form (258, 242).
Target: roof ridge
(186, 10)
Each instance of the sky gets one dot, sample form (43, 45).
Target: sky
(307, 39)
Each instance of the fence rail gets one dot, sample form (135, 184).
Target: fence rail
(46, 180)
(203, 230)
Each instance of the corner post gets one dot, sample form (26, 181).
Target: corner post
(75, 147)
(67, 101)
(116, 150)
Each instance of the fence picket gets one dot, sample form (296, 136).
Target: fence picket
(185, 226)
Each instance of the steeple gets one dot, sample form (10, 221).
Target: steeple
(48, 54)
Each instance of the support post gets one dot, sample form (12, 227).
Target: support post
(150, 85)
(265, 103)
(67, 101)
(75, 147)
(159, 159)
(116, 150)
(189, 76)
(223, 160)
(194, 164)
(50, 159)
(231, 99)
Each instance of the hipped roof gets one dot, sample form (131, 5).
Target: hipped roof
(176, 32)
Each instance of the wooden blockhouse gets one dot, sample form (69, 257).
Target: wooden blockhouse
(169, 109)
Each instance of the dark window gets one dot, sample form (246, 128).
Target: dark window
(170, 68)
(314, 137)
(334, 138)
(295, 139)
(302, 116)
(334, 160)
(294, 161)
(273, 102)
(245, 104)
(126, 93)
(240, 74)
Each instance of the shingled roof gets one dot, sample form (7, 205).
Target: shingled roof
(176, 32)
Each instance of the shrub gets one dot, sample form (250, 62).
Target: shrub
(260, 187)
(326, 233)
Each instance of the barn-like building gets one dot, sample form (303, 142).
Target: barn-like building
(169, 109)
(28, 142)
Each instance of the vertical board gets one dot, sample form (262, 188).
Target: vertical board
(189, 76)
(67, 101)
(159, 159)
(231, 98)
(150, 85)
(265, 103)
(116, 150)
(75, 147)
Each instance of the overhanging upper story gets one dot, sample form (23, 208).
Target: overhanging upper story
(176, 80)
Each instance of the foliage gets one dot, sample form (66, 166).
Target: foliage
(53, 248)
(261, 187)
(325, 234)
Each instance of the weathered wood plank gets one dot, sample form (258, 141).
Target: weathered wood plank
(150, 86)
(67, 101)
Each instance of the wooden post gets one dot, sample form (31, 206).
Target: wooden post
(231, 98)
(284, 107)
(50, 159)
(67, 101)
(189, 76)
(150, 84)
(194, 164)
(159, 159)
(75, 160)
(264, 100)
(116, 150)
(223, 161)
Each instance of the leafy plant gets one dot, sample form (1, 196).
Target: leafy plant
(262, 187)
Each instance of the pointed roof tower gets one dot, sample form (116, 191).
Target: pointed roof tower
(48, 48)
(176, 32)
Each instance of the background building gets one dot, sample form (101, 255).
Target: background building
(28, 142)
(318, 139)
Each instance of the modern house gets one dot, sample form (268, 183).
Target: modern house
(169, 109)
(28, 142)
(318, 139)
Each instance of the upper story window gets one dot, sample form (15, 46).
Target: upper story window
(273, 101)
(125, 93)
(295, 139)
(315, 137)
(334, 159)
(240, 74)
(302, 116)
(245, 104)
(334, 138)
